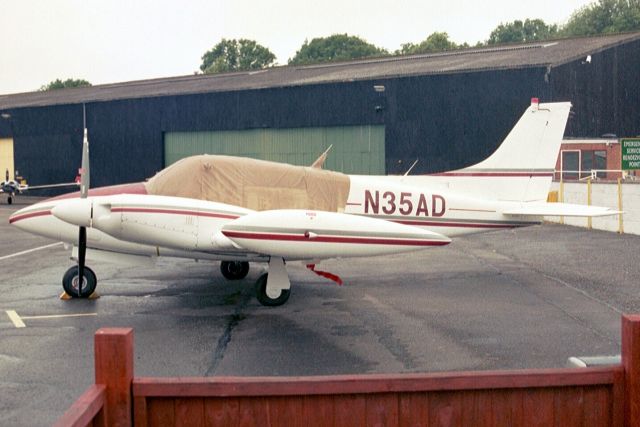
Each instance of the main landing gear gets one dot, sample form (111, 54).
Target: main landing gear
(234, 270)
(272, 288)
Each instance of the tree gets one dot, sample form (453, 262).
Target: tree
(59, 84)
(436, 42)
(522, 32)
(236, 55)
(604, 16)
(338, 47)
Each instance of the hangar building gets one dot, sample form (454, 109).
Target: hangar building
(447, 109)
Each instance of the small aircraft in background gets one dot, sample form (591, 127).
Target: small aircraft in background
(12, 187)
(238, 210)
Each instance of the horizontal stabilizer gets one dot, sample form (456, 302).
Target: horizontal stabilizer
(560, 209)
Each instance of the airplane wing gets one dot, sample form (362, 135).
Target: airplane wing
(561, 209)
(39, 187)
(169, 222)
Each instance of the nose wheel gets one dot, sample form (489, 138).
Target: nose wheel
(76, 288)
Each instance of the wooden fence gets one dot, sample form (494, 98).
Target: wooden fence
(604, 396)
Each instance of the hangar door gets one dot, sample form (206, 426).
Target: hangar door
(356, 149)
(6, 158)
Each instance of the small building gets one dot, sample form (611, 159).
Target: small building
(448, 110)
(598, 158)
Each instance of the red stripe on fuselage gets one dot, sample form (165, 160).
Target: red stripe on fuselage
(332, 239)
(17, 218)
(175, 211)
(461, 224)
(495, 174)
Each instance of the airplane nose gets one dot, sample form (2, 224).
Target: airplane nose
(18, 215)
(74, 211)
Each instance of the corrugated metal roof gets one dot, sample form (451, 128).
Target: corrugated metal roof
(548, 53)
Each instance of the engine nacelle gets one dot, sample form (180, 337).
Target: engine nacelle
(172, 222)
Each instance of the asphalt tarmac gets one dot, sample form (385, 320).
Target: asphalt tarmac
(526, 298)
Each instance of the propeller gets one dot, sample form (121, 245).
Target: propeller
(84, 191)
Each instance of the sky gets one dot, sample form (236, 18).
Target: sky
(107, 41)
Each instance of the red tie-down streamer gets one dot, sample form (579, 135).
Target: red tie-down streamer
(326, 274)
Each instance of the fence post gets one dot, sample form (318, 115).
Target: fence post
(589, 223)
(114, 368)
(620, 224)
(631, 364)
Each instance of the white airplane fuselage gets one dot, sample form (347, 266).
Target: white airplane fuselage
(149, 225)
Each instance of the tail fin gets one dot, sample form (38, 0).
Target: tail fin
(521, 169)
(534, 142)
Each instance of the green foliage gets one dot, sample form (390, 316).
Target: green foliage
(60, 84)
(604, 16)
(338, 47)
(436, 42)
(522, 32)
(236, 55)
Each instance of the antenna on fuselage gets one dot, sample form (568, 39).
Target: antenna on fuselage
(411, 167)
(319, 162)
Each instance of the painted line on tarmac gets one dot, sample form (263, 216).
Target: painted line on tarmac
(18, 320)
(28, 251)
(59, 316)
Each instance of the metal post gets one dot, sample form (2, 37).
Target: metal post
(561, 195)
(589, 201)
(620, 224)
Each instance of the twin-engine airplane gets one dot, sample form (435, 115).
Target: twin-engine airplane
(12, 188)
(240, 210)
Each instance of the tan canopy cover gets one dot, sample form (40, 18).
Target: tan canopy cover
(254, 184)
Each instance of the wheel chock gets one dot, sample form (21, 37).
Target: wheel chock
(66, 297)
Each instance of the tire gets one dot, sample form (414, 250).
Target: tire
(70, 282)
(9, 200)
(264, 299)
(234, 270)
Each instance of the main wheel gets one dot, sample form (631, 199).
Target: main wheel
(234, 270)
(261, 293)
(70, 282)
(9, 200)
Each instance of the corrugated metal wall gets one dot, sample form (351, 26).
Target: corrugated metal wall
(605, 92)
(356, 149)
(447, 121)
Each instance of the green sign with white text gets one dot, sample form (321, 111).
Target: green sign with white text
(630, 153)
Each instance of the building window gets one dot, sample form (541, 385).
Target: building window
(594, 160)
(570, 164)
